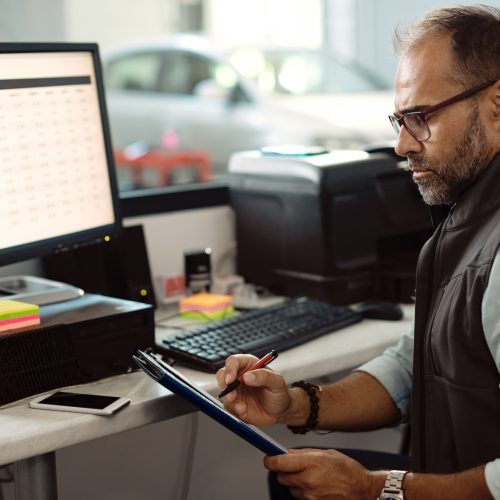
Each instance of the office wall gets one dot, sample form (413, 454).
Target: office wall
(32, 20)
(113, 21)
(107, 22)
(168, 236)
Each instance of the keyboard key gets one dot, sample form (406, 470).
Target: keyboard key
(257, 345)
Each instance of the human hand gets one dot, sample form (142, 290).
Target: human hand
(263, 395)
(314, 474)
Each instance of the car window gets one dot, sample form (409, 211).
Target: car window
(186, 73)
(134, 72)
(182, 71)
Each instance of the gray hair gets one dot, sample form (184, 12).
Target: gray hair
(475, 39)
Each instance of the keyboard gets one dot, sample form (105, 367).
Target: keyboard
(257, 332)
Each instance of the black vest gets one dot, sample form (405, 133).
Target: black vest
(456, 394)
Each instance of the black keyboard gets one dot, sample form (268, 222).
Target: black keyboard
(257, 332)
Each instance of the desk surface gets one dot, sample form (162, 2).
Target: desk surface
(26, 432)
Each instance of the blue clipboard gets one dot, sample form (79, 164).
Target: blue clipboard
(170, 378)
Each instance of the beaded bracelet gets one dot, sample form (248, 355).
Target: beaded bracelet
(313, 419)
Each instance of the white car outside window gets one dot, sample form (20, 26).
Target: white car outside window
(182, 94)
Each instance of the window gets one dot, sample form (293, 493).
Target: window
(182, 71)
(134, 72)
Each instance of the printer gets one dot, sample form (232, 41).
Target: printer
(342, 226)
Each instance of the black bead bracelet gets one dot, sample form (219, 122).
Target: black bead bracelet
(313, 419)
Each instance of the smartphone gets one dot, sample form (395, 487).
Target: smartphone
(80, 403)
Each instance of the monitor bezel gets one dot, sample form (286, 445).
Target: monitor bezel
(57, 244)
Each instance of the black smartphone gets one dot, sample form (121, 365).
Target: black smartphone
(80, 403)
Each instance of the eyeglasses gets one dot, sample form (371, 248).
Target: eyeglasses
(415, 122)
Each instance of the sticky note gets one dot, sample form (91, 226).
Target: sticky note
(15, 314)
(206, 306)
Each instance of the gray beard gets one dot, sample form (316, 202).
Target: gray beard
(454, 174)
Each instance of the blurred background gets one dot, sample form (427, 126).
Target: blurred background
(191, 81)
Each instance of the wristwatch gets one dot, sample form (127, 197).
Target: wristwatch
(393, 488)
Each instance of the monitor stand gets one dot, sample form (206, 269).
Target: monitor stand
(35, 290)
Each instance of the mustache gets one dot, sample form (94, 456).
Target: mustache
(419, 164)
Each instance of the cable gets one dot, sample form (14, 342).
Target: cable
(170, 316)
(226, 313)
(170, 327)
(6, 476)
(228, 254)
(189, 455)
(9, 474)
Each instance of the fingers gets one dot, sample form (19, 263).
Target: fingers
(240, 409)
(297, 493)
(260, 398)
(294, 461)
(265, 377)
(235, 365)
(296, 484)
(297, 460)
(220, 375)
(292, 470)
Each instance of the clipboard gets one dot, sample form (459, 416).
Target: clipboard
(173, 380)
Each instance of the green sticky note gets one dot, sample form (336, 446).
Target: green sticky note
(15, 309)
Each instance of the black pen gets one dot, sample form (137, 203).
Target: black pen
(260, 364)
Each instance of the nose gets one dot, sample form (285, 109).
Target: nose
(407, 144)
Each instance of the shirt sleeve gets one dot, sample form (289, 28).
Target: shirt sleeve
(491, 311)
(492, 476)
(491, 326)
(393, 369)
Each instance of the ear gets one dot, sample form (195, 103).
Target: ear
(494, 104)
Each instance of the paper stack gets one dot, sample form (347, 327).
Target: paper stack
(15, 314)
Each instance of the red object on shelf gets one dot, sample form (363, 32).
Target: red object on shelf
(165, 162)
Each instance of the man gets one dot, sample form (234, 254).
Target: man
(448, 123)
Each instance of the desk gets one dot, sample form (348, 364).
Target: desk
(29, 438)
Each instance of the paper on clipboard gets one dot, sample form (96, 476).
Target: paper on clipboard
(173, 380)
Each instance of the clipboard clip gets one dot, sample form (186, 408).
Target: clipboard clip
(149, 364)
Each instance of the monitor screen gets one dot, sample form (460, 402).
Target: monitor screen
(57, 177)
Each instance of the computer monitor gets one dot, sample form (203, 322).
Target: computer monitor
(57, 178)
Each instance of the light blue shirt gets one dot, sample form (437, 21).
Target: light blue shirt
(394, 367)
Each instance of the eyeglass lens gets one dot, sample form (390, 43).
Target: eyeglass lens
(415, 123)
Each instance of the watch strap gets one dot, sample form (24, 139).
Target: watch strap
(394, 483)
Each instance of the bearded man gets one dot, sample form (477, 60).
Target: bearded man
(447, 117)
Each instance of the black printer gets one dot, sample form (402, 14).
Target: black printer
(344, 226)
